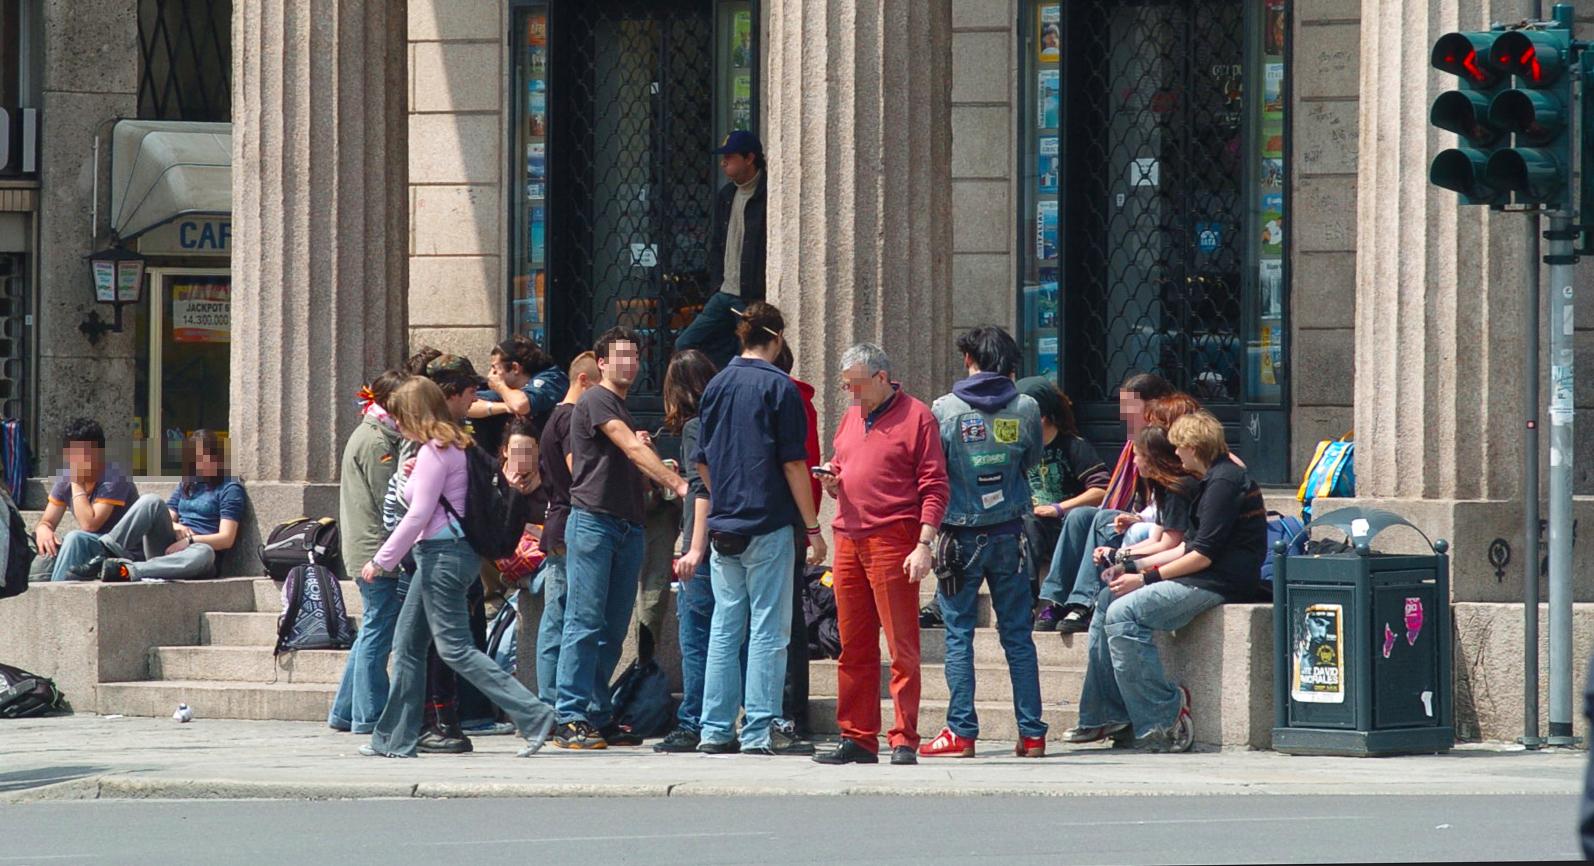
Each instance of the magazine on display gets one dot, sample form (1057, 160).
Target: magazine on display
(1046, 230)
(1273, 88)
(1272, 224)
(1046, 360)
(1273, 27)
(742, 41)
(1051, 40)
(537, 31)
(539, 234)
(1046, 166)
(537, 161)
(1270, 283)
(1050, 93)
(742, 101)
(537, 110)
(537, 62)
(1046, 306)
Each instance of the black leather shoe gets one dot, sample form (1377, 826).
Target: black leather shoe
(847, 752)
(729, 747)
(904, 755)
(619, 735)
(436, 744)
(88, 570)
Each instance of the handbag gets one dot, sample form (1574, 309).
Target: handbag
(525, 561)
(1331, 473)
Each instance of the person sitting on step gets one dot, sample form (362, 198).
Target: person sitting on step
(97, 494)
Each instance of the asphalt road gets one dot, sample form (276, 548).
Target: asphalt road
(821, 830)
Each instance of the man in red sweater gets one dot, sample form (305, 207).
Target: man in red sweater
(888, 475)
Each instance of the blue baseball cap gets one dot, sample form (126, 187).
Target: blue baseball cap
(740, 141)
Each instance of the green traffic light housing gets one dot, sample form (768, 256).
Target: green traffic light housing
(1467, 56)
(1465, 113)
(1464, 170)
(1536, 116)
(1536, 57)
(1533, 174)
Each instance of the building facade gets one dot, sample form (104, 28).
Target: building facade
(1230, 192)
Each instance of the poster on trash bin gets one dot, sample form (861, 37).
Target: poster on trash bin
(1318, 672)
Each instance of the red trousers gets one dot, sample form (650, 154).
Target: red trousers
(872, 591)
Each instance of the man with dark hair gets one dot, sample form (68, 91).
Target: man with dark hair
(97, 494)
(736, 250)
(603, 542)
(753, 460)
(522, 380)
(991, 436)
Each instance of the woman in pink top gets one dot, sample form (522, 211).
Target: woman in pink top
(445, 566)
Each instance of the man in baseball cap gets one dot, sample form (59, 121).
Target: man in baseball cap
(736, 250)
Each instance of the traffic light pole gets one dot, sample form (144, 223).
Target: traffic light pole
(1530, 498)
(1561, 260)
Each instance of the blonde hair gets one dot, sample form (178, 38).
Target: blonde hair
(421, 410)
(1202, 433)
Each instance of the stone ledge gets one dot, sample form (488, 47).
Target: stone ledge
(84, 634)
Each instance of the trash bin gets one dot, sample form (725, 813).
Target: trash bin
(1361, 643)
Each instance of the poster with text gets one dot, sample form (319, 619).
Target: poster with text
(1317, 673)
(1046, 305)
(1046, 357)
(201, 312)
(1270, 280)
(1273, 89)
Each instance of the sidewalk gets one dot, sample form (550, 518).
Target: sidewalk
(88, 757)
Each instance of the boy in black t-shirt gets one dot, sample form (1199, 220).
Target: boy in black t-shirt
(1126, 690)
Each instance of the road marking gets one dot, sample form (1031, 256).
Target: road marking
(6, 858)
(539, 839)
(1291, 819)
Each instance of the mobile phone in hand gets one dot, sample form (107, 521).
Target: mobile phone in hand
(821, 472)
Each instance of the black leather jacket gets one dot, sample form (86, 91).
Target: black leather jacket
(753, 240)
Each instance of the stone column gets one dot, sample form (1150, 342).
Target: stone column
(857, 129)
(1438, 311)
(320, 226)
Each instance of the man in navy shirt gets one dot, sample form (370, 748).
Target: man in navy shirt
(752, 457)
(98, 496)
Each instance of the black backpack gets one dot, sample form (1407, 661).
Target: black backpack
(20, 555)
(494, 518)
(819, 614)
(302, 541)
(643, 701)
(313, 615)
(24, 695)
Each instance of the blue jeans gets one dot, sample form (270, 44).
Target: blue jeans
(551, 628)
(362, 692)
(78, 547)
(752, 599)
(994, 559)
(434, 608)
(694, 611)
(603, 559)
(1074, 578)
(713, 331)
(1124, 681)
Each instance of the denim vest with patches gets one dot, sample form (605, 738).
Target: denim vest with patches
(987, 457)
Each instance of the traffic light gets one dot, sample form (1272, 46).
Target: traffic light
(1466, 112)
(1538, 169)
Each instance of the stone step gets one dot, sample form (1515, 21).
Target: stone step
(244, 664)
(1051, 648)
(268, 597)
(991, 682)
(998, 728)
(293, 702)
(238, 629)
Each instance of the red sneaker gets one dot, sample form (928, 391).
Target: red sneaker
(948, 745)
(1030, 747)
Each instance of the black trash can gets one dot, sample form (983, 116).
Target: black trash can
(1362, 655)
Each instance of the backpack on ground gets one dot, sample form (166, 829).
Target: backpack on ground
(24, 695)
(20, 552)
(643, 700)
(819, 614)
(1281, 527)
(313, 615)
(503, 634)
(302, 541)
(493, 521)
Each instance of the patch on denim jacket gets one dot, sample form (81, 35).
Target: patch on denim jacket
(1006, 430)
(991, 500)
(980, 460)
(989, 478)
(972, 429)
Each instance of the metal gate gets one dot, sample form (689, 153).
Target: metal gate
(1156, 130)
(631, 181)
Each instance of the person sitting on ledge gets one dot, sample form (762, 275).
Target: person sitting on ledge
(98, 496)
(183, 537)
(1220, 561)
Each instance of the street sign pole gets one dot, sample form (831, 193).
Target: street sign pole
(1561, 260)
